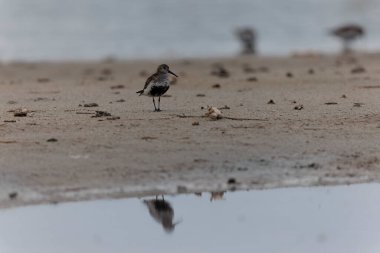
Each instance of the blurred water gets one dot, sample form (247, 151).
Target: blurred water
(91, 29)
(342, 219)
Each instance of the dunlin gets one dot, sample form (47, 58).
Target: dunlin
(348, 33)
(157, 85)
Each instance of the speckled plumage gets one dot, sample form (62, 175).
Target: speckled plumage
(157, 84)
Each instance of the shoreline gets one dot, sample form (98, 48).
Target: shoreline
(330, 139)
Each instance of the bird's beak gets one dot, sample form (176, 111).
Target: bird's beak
(172, 73)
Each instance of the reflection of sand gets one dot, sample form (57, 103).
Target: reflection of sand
(319, 144)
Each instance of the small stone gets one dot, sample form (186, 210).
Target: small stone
(101, 114)
(358, 70)
(271, 102)
(113, 118)
(231, 181)
(120, 86)
(20, 113)
(13, 195)
(43, 80)
(91, 105)
(226, 107)
(298, 107)
(252, 79)
(52, 140)
(289, 74)
(195, 123)
(216, 86)
(358, 104)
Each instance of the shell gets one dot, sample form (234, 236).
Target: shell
(213, 113)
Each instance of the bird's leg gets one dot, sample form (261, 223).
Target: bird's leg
(159, 101)
(154, 103)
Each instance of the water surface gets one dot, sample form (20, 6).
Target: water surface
(92, 29)
(325, 219)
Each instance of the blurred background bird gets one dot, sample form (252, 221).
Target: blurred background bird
(348, 34)
(247, 38)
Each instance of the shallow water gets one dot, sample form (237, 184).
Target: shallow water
(323, 219)
(91, 29)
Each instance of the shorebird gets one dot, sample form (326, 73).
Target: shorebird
(247, 37)
(162, 212)
(348, 33)
(157, 85)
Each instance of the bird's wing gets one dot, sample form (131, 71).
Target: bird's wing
(149, 80)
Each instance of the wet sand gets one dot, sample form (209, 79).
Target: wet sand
(321, 129)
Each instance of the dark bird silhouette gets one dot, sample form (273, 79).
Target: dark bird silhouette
(247, 37)
(157, 85)
(162, 212)
(348, 34)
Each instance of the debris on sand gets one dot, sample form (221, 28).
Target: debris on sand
(226, 107)
(216, 86)
(298, 107)
(113, 118)
(271, 102)
(201, 95)
(331, 103)
(91, 105)
(120, 101)
(358, 104)
(252, 79)
(358, 70)
(20, 112)
(147, 138)
(120, 86)
(195, 123)
(214, 113)
(220, 71)
(43, 80)
(289, 74)
(52, 140)
(231, 181)
(310, 71)
(101, 114)
(343, 96)
(12, 195)
(9, 121)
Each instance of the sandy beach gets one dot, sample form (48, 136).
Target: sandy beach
(288, 121)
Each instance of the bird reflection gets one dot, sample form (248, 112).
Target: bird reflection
(162, 212)
(217, 196)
